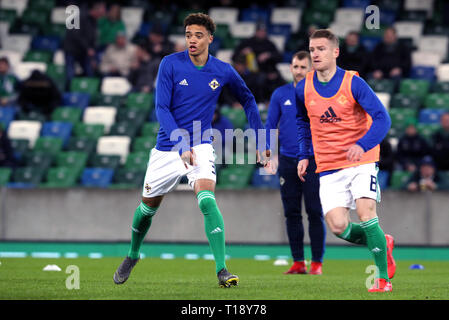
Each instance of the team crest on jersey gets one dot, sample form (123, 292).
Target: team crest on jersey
(214, 84)
(342, 100)
(147, 187)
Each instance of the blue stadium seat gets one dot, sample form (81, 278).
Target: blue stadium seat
(47, 43)
(356, 3)
(265, 181)
(387, 17)
(97, 177)
(280, 29)
(370, 42)
(430, 115)
(7, 115)
(255, 15)
(423, 72)
(76, 99)
(57, 129)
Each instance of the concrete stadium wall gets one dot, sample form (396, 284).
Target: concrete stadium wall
(251, 216)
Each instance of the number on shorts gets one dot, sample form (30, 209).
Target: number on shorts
(373, 186)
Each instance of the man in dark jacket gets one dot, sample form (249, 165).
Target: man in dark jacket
(353, 55)
(440, 141)
(80, 44)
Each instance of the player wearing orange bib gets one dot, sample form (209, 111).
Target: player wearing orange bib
(345, 122)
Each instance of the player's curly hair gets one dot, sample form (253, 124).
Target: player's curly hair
(200, 19)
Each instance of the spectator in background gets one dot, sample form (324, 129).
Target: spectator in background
(390, 59)
(426, 177)
(7, 158)
(271, 81)
(80, 44)
(109, 26)
(259, 50)
(9, 84)
(39, 93)
(221, 123)
(387, 159)
(440, 144)
(143, 71)
(118, 57)
(411, 148)
(353, 55)
(157, 44)
(253, 81)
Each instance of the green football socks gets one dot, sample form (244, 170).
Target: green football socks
(141, 223)
(354, 233)
(377, 244)
(214, 226)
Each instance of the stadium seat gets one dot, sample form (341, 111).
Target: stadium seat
(51, 145)
(236, 116)
(84, 144)
(124, 128)
(57, 74)
(352, 17)
(441, 87)
(434, 43)
(24, 69)
(356, 3)
(105, 161)
(265, 181)
(382, 85)
(409, 29)
(97, 177)
(443, 72)
(243, 30)
(426, 58)
(67, 114)
(34, 17)
(401, 100)
(399, 179)
(430, 115)
(426, 130)
(26, 177)
(134, 116)
(54, 30)
(7, 114)
(20, 147)
(279, 41)
(59, 58)
(115, 86)
(414, 87)
(423, 72)
(62, 130)
(107, 100)
(382, 179)
(114, 145)
(41, 159)
(255, 14)
(138, 160)
(284, 70)
(225, 55)
(92, 131)
(14, 57)
(8, 15)
(437, 101)
(427, 6)
(76, 99)
(325, 5)
(280, 29)
(5, 175)
(33, 115)
(144, 144)
(140, 100)
(60, 177)
(401, 116)
(25, 129)
(132, 18)
(150, 129)
(100, 115)
(370, 42)
(17, 42)
(75, 160)
(89, 85)
(341, 29)
(127, 178)
(287, 15)
(385, 98)
(45, 5)
(224, 15)
(45, 43)
(234, 177)
(321, 18)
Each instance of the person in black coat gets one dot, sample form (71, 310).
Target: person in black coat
(411, 148)
(353, 56)
(440, 144)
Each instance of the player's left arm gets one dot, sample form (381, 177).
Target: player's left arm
(247, 100)
(369, 101)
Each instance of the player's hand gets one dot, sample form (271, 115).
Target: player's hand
(263, 160)
(189, 157)
(354, 153)
(302, 169)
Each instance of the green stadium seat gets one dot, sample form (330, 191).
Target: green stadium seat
(415, 87)
(67, 114)
(20, 146)
(144, 144)
(382, 85)
(441, 87)
(76, 160)
(60, 177)
(89, 85)
(5, 174)
(28, 175)
(320, 17)
(400, 100)
(35, 17)
(86, 130)
(41, 159)
(137, 160)
(426, 130)
(401, 116)
(222, 31)
(437, 101)
(444, 180)
(56, 72)
(236, 116)
(84, 144)
(150, 129)
(54, 29)
(234, 177)
(8, 15)
(125, 178)
(105, 161)
(140, 100)
(51, 145)
(124, 128)
(325, 5)
(43, 5)
(134, 115)
(107, 100)
(38, 56)
(399, 179)
(32, 115)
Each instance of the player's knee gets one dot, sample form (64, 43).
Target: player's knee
(154, 202)
(337, 227)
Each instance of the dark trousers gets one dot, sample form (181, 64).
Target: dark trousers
(84, 61)
(292, 191)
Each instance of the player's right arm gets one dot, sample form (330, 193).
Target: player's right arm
(164, 89)
(304, 133)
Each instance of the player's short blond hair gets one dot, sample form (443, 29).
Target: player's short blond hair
(327, 34)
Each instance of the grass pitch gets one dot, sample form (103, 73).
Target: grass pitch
(181, 279)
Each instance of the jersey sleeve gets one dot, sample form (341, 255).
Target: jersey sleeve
(369, 101)
(164, 88)
(303, 124)
(246, 98)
